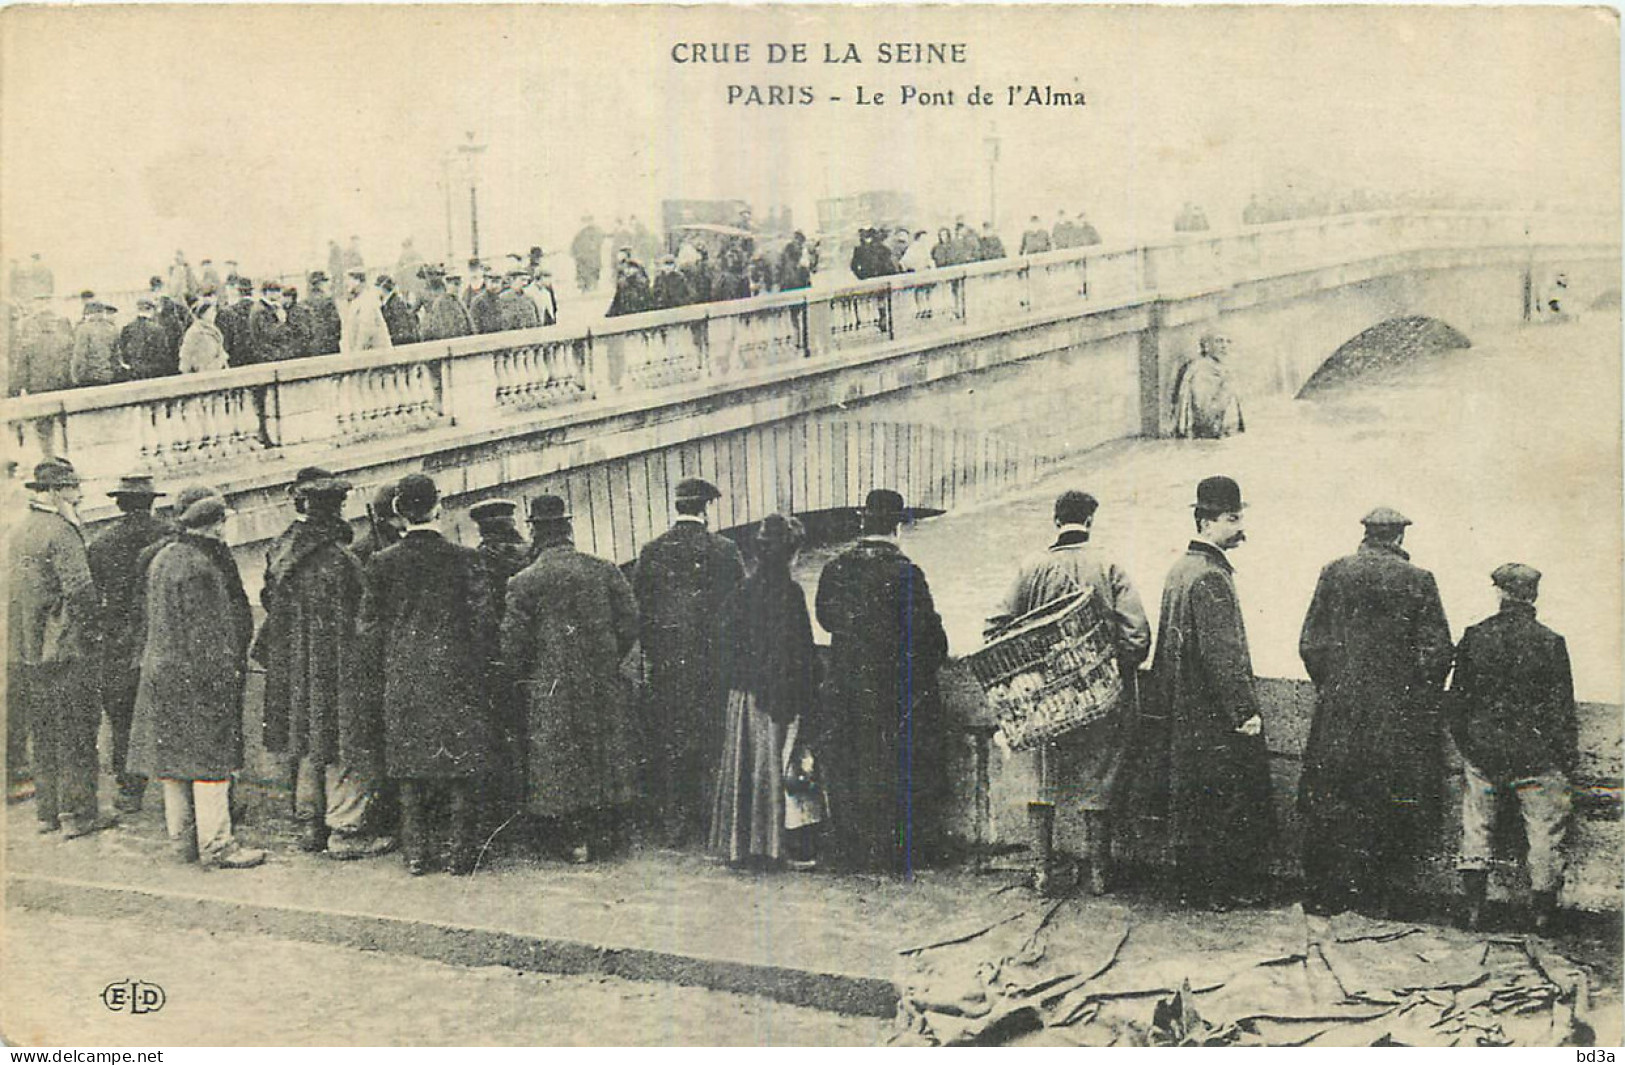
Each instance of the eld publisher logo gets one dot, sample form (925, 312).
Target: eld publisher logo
(133, 996)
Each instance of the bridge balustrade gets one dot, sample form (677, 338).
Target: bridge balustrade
(479, 383)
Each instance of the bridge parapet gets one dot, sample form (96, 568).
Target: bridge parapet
(225, 425)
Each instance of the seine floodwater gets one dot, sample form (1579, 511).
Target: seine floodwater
(1505, 451)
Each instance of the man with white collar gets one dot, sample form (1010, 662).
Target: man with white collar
(681, 581)
(52, 619)
(1217, 783)
(1082, 766)
(882, 736)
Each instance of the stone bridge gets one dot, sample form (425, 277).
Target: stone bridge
(946, 385)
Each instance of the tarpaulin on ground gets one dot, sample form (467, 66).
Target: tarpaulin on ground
(1083, 972)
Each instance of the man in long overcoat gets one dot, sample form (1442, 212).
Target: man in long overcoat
(44, 350)
(188, 729)
(883, 742)
(116, 565)
(326, 326)
(1084, 763)
(312, 595)
(95, 348)
(1215, 786)
(270, 332)
(232, 319)
(428, 644)
(1377, 646)
(570, 620)
(399, 317)
(682, 579)
(52, 623)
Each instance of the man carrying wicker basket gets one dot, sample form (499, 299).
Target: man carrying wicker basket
(1078, 767)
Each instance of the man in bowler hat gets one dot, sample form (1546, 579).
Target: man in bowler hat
(882, 740)
(115, 564)
(52, 622)
(1377, 646)
(1513, 718)
(683, 577)
(1210, 768)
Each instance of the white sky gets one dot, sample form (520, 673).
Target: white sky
(259, 133)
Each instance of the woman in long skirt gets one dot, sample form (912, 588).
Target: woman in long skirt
(771, 676)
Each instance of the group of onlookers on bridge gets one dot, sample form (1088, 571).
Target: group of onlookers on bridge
(453, 698)
(192, 322)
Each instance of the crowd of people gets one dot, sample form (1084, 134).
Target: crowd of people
(442, 698)
(197, 321)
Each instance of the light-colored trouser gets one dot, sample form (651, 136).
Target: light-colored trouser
(1543, 800)
(200, 806)
(336, 794)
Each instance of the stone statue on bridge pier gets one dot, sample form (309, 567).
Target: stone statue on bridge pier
(1206, 405)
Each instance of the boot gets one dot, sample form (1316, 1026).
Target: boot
(234, 856)
(1041, 819)
(1099, 850)
(312, 836)
(1475, 885)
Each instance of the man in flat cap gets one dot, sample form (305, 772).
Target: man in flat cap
(428, 635)
(311, 596)
(1078, 772)
(882, 741)
(1377, 646)
(1208, 766)
(1513, 719)
(569, 621)
(326, 327)
(669, 289)
(52, 621)
(683, 577)
(188, 727)
(115, 563)
(146, 349)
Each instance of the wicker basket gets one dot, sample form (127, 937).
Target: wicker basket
(1054, 670)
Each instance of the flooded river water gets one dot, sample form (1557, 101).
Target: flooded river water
(1506, 451)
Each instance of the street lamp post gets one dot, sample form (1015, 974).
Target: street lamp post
(471, 153)
(993, 177)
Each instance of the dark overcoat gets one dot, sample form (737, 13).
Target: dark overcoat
(883, 736)
(1512, 698)
(308, 646)
(767, 647)
(400, 319)
(119, 570)
(1377, 646)
(148, 349)
(95, 353)
(188, 721)
(326, 325)
(570, 619)
(233, 322)
(428, 645)
(1209, 781)
(270, 333)
(515, 310)
(682, 579)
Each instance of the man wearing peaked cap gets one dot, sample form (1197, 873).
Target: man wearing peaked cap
(115, 563)
(682, 578)
(1377, 647)
(1214, 782)
(1513, 718)
(569, 624)
(884, 736)
(52, 620)
(312, 598)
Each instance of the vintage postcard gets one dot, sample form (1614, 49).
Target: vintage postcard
(884, 525)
